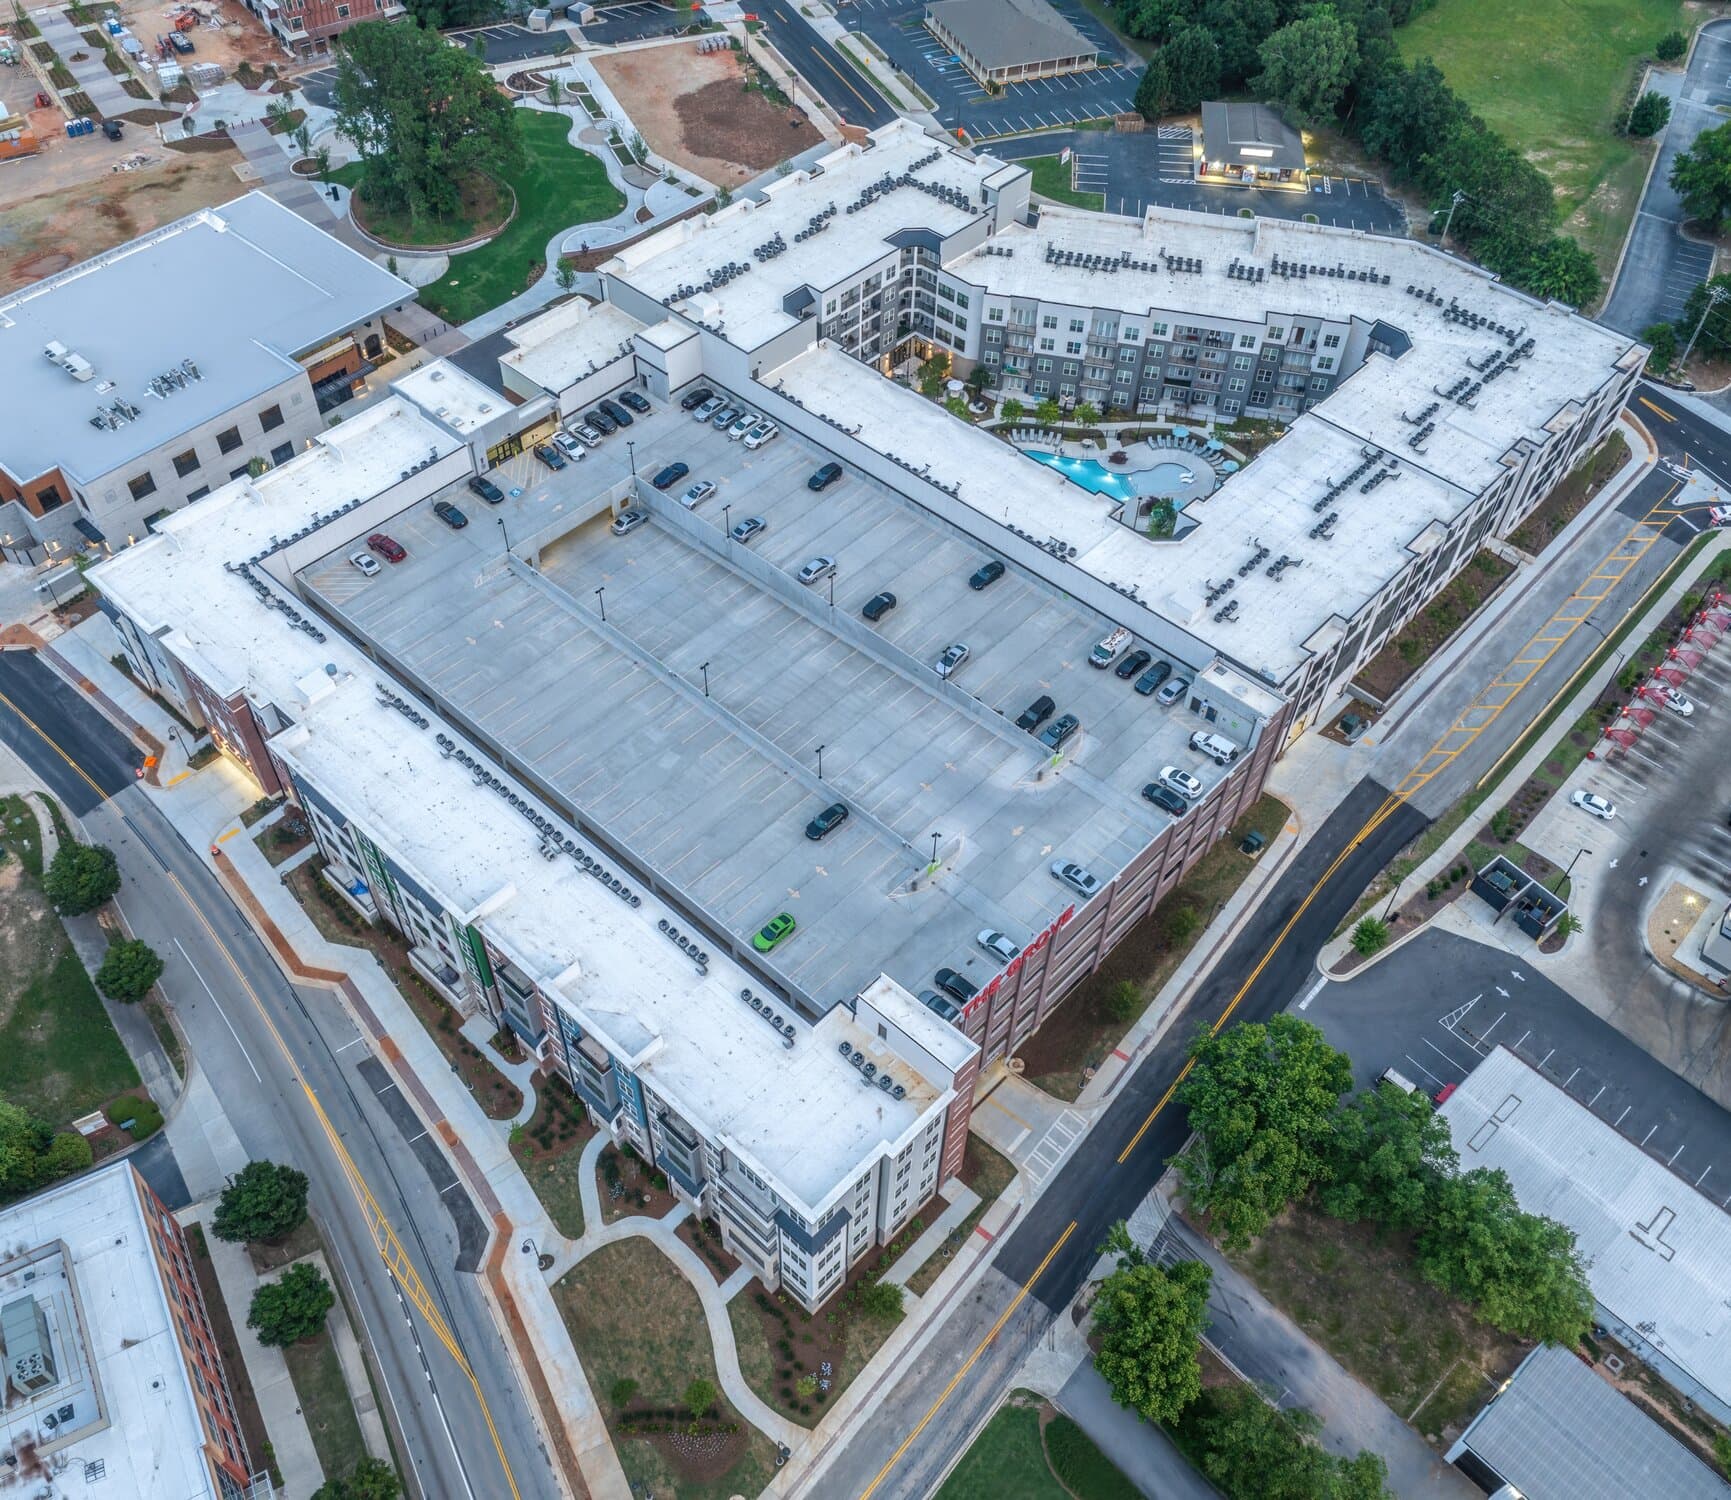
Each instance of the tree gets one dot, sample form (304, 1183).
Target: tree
(1714, 339)
(566, 275)
(1153, 20)
(1652, 112)
(128, 970)
(1389, 1150)
(263, 1201)
(371, 1479)
(881, 1300)
(1087, 413)
(291, 1308)
(553, 88)
(1555, 267)
(1521, 1271)
(81, 877)
(1239, 28)
(1261, 1099)
(1370, 936)
(1184, 72)
(700, 1396)
(1047, 413)
(1149, 1322)
(1702, 177)
(1504, 191)
(1011, 411)
(25, 1143)
(1406, 112)
(934, 372)
(1247, 1447)
(1671, 46)
(1307, 64)
(425, 117)
(1661, 339)
(1123, 1000)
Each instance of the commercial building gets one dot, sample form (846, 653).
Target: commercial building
(1250, 144)
(114, 1383)
(1556, 1431)
(142, 379)
(1010, 41)
(665, 697)
(306, 28)
(1657, 1252)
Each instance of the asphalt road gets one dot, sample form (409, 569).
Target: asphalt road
(840, 84)
(255, 1038)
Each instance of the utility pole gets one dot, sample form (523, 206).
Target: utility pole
(1715, 295)
(1455, 200)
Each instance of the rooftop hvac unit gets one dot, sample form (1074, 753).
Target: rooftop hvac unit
(78, 367)
(29, 1350)
(54, 350)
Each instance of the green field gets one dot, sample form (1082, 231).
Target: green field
(1053, 178)
(1012, 1459)
(1550, 77)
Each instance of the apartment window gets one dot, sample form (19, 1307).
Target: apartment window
(1127, 356)
(1247, 341)
(961, 299)
(994, 315)
(1046, 344)
(948, 293)
(1044, 366)
(1326, 362)
(239, 473)
(1241, 361)
(1276, 334)
(1126, 377)
(961, 322)
(1331, 341)
(1076, 325)
(1041, 387)
(185, 463)
(1235, 385)
(270, 418)
(829, 308)
(1131, 333)
(1319, 385)
(282, 454)
(1073, 346)
(1049, 320)
(198, 494)
(141, 485)
(1156, 330)
(227, 441)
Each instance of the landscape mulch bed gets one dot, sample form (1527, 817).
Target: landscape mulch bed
(704, 1237)
(1432, 627)
(640, 1189)
(1571, 495)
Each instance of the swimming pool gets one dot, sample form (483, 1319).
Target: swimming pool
(1169, 481)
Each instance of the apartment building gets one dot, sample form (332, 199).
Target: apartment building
(120, 413)
(115, 1384)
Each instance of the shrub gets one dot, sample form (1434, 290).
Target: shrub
(81, 877)
(1123, 999)
(1370, 936)
(1661, 338)
(1503, 824)
(129, 968)
(1650, 114)
(1182, 925)
(1671, 46)
(291, 1308)
(700, 1395)
(881, 1300)
(621, 1391)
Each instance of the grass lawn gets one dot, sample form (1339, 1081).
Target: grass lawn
(59, 1054)
(318, 1381)
(1550, 77)
(557, 187)
(1419, 1349)
(632, 1316)
(988, 1173)
(1079, 1034)
(1052, 179)
(1028, 1451)
(549, 1149)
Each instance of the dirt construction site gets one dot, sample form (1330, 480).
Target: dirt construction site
(228, 34)
(695, 109)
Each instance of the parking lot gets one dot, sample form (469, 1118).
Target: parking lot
(897, 26)
(633, 21)
(691, 722)
(1437, 1005)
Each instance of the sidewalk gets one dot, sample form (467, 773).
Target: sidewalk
(963, 1200)
(83, 656)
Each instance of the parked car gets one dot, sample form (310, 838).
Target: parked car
(1175, 689)
(366, 562)
(817, 570)
(1719, 515)
(745, 530)
(987, 573)
(450, 515)
(696, 494)
(742, 424)
(999, 946)
(386, 548)
(635, 400)
(487, 490)
(599, 419)
(618, 413)
(761, 434)
(567, 444)
(956, 984)
(940, 1004)
(774, 932)
(1593, 804)
(1679, 703)
(1081, 880)
(824, 477)
(1036, 713)
(670, 476)
(952, 658)
(1133, 663)
(707, 408)
(1153, 677)
(628, 521)
(1164, 797)
(551, 457)
(585, 434)
(722, 417)
(1106, 650)
(1216, 747)
(695, 398)
(827, 821)
(1181, 782)
(879, 605)
(1059, 730)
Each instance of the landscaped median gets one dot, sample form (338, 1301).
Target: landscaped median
(1031, 1451)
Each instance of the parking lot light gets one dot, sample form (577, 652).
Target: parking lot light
(631, 453)
(820, 762)
(727, 521)
(1570, 871)
(504, 533)
(705, 670)
(601, 599)
(934, 863)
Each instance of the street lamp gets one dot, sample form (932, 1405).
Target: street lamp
(820, 762)
(727, 521)
(1570, 871)
(600, 597)
(631, 453)
(935, 838)
(705, 670)
(504, 533)
(832, 589)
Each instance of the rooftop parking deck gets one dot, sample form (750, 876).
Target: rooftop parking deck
(712, 791)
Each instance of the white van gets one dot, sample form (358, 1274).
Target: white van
(1218, 749)
(1399, 1080)
(1104, 654)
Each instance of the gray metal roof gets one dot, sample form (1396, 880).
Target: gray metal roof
(1003, 33)
(1250, 135)
(1559, 1432)
(237, 290)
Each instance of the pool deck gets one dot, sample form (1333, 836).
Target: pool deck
(1168, 479)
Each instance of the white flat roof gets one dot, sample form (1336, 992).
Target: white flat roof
(565, 343)
(798, 1114)
(451, 394)
(112, 1332)
(1657, 1253)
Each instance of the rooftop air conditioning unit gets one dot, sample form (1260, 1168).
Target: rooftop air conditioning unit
(78, 367)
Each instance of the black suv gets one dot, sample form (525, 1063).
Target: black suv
(691, 400)
(1059, 730)
(824, 478)
(635, 401)
(1036, 713)
(487, 490)
(879, 605)
(1164, 797)
(618, 413)
(986, 573)
(957, 985)
(670, 476)
(827, 821)
(1133, 663)
(599, 419)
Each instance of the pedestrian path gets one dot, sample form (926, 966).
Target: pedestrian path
(962, 1200)
(92, 72)
(479, 1032)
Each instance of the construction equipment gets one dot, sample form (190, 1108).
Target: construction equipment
(16, 138)
(185, 21)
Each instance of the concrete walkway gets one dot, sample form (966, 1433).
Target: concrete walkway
(92, 73)
(963, 1200)
(480, 1033)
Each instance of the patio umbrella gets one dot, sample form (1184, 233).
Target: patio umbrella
(1180, 432)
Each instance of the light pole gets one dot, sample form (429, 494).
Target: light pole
(727, 521)
(631, 453)
(1455, 201)
(820, 762)
(1391, 896)
(504, 533)
(832, 589)
(1715, 295)
(1600, 631)
(935, 838)
(705, 670)
(601, 599)
(1570, 871)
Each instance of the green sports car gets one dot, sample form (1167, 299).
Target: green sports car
(774, 931)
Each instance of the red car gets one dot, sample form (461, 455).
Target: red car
(386, 548)
(1442, 1094)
